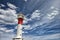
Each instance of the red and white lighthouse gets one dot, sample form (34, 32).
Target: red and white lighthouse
(19, 27)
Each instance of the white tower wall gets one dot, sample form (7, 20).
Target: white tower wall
(19, 33)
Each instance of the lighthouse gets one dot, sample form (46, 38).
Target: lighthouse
(20, 19)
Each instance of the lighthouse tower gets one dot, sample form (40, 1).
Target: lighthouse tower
(19, 27)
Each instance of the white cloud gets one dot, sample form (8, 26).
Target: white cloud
(4, 29)
(35, 14)
(8, 16)
(24, 32)
(46, 37)
(2, 16)
(25, 0)
(52, 7)
(52, 15)
(7, 36)
(11, 6)
(2, 5)
(11, 30)
(25, 20)
(46, 19)
(26, 27)
(53, 36)
(10, 36)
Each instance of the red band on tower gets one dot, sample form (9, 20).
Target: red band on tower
(20, 20)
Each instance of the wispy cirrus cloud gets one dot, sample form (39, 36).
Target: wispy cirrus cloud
(4, 29)
(10, 36)
(6, 36)
(11, 6)
(41, 19)
(35, 14)
(2, 5)
(46, 37)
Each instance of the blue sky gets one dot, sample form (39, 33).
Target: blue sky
(41, 21)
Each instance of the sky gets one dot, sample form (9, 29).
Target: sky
(41, 19)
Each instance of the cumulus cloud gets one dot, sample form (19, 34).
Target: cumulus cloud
(8, 16)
